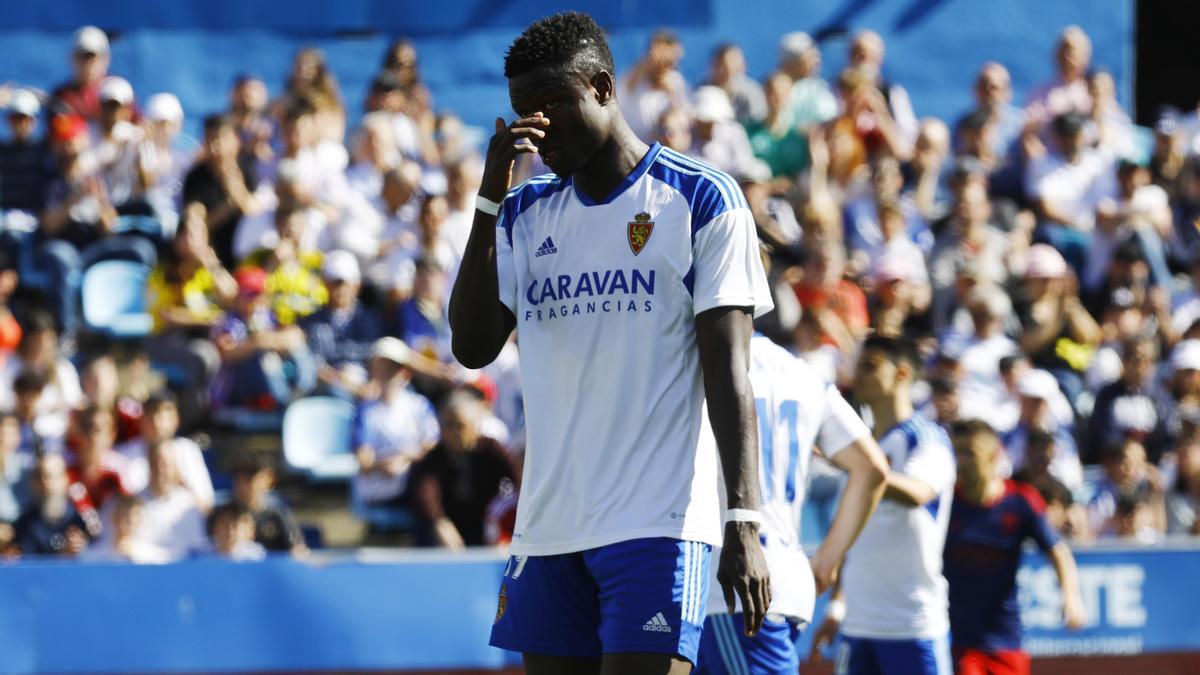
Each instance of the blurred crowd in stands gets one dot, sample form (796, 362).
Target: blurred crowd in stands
(1045, 254)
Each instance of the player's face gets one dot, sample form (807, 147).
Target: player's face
(975, 456)
(578, 123)
(875, 378)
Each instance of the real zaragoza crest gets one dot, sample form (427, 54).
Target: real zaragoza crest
(639, 232)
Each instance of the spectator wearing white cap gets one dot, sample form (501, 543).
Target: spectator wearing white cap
(164, 159)
(654, 84)
(1058, 334)
(341, 333)
(811, 100)
(90, 58)
(391, 431)
(717, 138)
(728, 72)
(26, 163)
(1043, 407)
(117, 142)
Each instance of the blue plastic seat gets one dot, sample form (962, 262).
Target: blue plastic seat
(316, 438)
(114, 299)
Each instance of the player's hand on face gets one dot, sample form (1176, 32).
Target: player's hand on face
(509, 141)
(824, 637)
(825, 570)
(742, 572)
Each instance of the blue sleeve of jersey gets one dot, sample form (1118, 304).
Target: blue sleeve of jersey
(1039, 529)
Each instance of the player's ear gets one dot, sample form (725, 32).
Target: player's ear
(604, 87)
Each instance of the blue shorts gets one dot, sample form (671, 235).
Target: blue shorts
(638, 596)
(869, 656)
(725, 649)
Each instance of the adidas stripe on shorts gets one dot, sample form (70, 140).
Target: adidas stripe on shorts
(637, 596)
(725, 649)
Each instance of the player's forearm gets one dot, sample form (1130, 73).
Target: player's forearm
(723, 337)
(864, 489)
(907, 491)
(1064, 567)
(479, 322)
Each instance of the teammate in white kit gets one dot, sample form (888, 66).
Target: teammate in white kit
(632, 277)
(797, 413)
(895, 597)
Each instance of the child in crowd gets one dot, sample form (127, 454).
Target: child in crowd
(275, 527)
(231, 529)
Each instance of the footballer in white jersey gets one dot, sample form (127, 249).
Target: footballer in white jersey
(631, 276)
(797, 413)
(891, 587)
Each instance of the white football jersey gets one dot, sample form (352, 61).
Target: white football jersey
(797, 410)
(605, 295)
(892, 578)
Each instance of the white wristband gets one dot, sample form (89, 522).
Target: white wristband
(742, 516)
(836, 610)
(486, 205)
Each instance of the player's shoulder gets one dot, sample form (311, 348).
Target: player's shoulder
(520, 198)
(709, 191)
(1026, 494)
(923, 432)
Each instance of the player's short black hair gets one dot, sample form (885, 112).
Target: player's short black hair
(570, 40)
(897, 349)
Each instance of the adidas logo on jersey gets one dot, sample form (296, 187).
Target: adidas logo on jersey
(657, 624)
(546, 248)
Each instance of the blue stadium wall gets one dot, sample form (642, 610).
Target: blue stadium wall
(196, 47)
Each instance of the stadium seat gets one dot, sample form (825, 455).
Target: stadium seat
(114, 299)
(316, 438)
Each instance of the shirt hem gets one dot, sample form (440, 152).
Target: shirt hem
(757, 304)
(597, 541)
(906, 634)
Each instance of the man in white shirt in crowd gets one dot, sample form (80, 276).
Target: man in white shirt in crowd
(982, 390)
(160, 424)
(1067, 185)
(171, 519)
